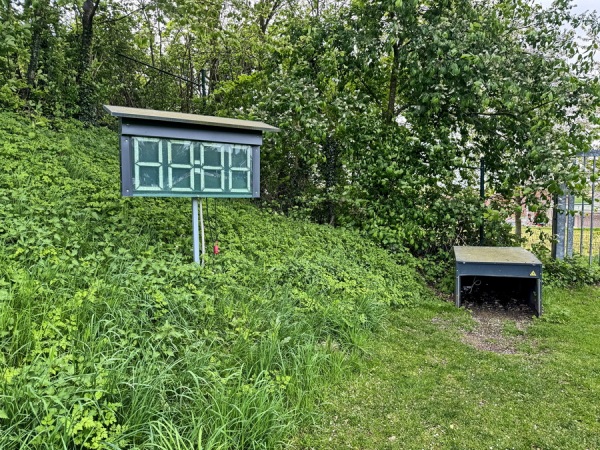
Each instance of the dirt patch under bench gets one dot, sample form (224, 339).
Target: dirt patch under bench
(500, 323)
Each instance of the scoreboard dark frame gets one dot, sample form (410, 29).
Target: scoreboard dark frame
(184, 155)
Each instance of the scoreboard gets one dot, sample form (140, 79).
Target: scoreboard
(167, 154)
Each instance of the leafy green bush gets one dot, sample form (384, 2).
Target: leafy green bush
(111, 338)
(571, 272)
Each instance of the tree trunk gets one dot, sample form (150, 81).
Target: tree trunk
(87, 33)
(86, 106)
(36, 44)
(331, 172)
(388, 113)
(266, 13)
(38, 25)
(518, 214)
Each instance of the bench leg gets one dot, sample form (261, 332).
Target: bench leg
(539, 297)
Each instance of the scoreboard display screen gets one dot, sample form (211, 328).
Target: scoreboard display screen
(173, 167)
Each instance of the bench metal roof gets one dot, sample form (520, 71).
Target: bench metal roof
(494, 255)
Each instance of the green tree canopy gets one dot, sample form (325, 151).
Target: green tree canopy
(386, 107)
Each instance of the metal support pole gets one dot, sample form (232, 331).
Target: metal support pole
(195, 233)
(582, 217)
(202, 231)
(482, 197)
(570, 225)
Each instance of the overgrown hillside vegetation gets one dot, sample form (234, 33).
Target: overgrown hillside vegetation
(387, 109)
(111, 338)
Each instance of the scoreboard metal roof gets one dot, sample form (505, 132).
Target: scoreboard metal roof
(192, 119)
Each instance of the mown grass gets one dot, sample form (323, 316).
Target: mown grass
(425, 388)
(111, 338)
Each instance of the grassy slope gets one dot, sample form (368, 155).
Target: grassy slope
(110, 338)
(427, 389)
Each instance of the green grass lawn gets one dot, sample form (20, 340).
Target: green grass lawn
(111, 338)
(426, 387)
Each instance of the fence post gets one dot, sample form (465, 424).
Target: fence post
(481, 197)
(558, 227)
(592, 208)
(570, 225)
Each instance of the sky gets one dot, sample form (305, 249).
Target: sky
(580, 5)
(587, 5)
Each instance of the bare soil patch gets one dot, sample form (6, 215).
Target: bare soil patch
(501, 316)
(489, 333)
(501, 322)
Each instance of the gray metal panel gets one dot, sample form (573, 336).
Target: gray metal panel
(506, 270)
(457, 291)
(194, 119)
(126, 181)
(256, 171)
(538, 308)
(163, 130)
(561, 221)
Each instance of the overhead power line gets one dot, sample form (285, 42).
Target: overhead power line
(187, 80)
